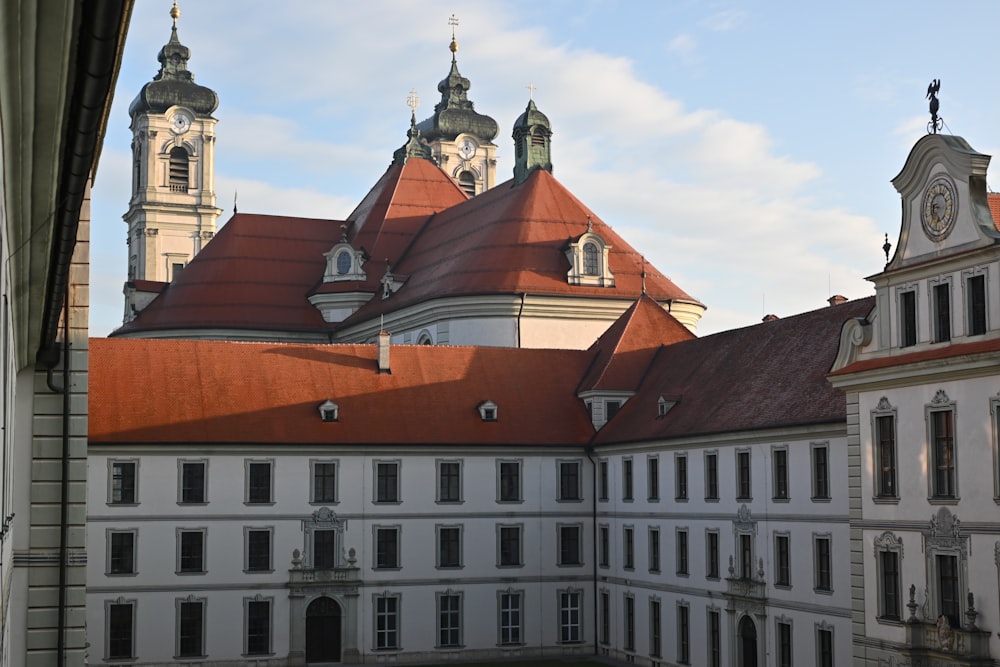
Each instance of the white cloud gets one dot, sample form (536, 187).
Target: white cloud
(728, 19)
(683, 45)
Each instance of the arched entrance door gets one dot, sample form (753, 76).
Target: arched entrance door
(748, 642)
(323, 631)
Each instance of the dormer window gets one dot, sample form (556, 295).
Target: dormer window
(588, 260)
(343, 263)
(663, 406)
(488, 411)
(329, 411)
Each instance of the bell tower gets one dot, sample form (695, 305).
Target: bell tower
(172, 212)
(460, 138)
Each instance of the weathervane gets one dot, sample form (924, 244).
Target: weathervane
(932, 91)
(413, 101)
(453, 21)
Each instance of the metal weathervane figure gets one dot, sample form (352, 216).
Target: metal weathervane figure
(932, 91)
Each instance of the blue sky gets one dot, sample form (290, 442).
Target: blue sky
(746, 148)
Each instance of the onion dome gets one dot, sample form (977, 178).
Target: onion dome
(174, 84)
(455, 113)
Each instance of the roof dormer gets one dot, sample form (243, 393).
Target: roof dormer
(588, 260)
(329, 411)
(344, 262)
(488, 411)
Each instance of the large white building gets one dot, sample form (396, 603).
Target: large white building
(301, 452)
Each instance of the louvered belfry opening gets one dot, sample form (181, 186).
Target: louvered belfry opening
(178, 170)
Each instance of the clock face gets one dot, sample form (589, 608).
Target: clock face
(466, 149)
(180, 123)
(939, 208)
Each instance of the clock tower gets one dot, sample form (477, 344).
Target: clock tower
(172, 212)
(461, 139)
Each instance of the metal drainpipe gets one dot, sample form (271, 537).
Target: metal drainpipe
(519, 311)
(593, 513)
(64, 481)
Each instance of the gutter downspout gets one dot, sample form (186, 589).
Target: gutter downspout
(519, 311)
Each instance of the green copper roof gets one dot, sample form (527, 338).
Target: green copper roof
(412, 148)
(532, 117)
(455, 113)
(174, 84)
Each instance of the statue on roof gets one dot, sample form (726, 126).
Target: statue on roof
(932, 91)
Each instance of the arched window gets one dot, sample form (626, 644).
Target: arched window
(178, 169)
(590, 259)
(467, 182)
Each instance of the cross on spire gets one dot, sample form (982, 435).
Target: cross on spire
(453, 21)
(412, 100)
(531, 90)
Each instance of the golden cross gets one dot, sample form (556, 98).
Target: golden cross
(531, 91)
(412, 100)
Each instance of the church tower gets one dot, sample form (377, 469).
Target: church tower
(461, 139)
(532, 143)
(172, 212)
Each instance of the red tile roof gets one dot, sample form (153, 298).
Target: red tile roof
(148, 285)
(768, 375)
(193, 391)
(625, 350)
(255, 274)
(511, 240)
(994, 201)
(952, 351)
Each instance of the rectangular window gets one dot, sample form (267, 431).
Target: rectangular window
(628, 548)
(510, 481)
(681, 468)
(258, 542)
(570, 612)
(259, 482)
(683, 635)
(387, 481)
(121, 552)
(653, 478)
(654, 549)
(611, 409)
(604, 546)
(605, 617)
(123, 483)
(889, 579)
(386, 622)
(714, 639)
(602, 476)
(743, 475)
(885, 455)
(784, 645)
(824, 648)
(780, 474)
(192, 482)
(324, 549)
(449, 546)
(942, 312)
(121, 630)
(746, 555)
(191, 557)
(820, 472)
(943, 450)
(655, 634)
(824, 581)
(907, 318)
(782, 561)
(509, 547)
(712, 554)
(449, 620)
(510, 619)
(570, 548)
(386, 547)
(682, 552)
(190, 628)
(711, 476)
(948, 592)
(629, 622)
(258, 627)
(569, 480)
(324, 482)
(976, 296)
(627, 480)
(449, 482)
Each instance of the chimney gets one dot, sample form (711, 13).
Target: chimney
(383, 352)
(769, 318)
(836, 300)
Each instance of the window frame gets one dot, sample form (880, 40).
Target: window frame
(561, 549)
(779, 465)
(249, 566)
(825, 653)
(890, 591)
(744, 482)
(179, 605)
(455, 639)
(249, 497)
(822, 563)
(628, 479)
(784, 650)
(605, 610)
(653, 478)
(604, 545)
(569, 606)
(977, 314)
(396, 531)
(941, 309)
(782, 559)
(454, 535)
(391, 635)
(132, 604)
(380, 482)
(995, 427)
(682, 562)
(714, 636)
(906, 303)
(819, 459)
(439, 465)
(518, 531)
(518, 467)
(628, 547)
(711, 461)
(681, 477)
(653, 548)
(883, 477)
(655, 627)
(683, 633)
(109, 535)
(569, 487)
(505, 626)
(712, 555)
(187, 569)
(602, 481)
(183, 485)
(117, 500)
(324, 498)
(248, 603)
(628, 621)
(938, 408)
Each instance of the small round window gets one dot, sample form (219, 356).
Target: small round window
(343, 262)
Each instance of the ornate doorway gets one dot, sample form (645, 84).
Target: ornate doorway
(323, 631)
(748, 642)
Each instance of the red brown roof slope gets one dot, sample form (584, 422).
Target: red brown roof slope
(269, 393)
(393, 212)
(994, 200)
(255, 274)
(625, 350)
(511, 240)
(952, 351)
(765, 376)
